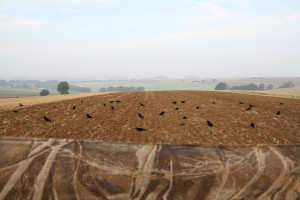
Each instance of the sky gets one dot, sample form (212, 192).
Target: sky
(140, 39)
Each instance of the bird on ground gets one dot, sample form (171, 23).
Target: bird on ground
(281, 103)
(54, 107)
(118, 101)
(176, 108)
(278, 113)
(142, 104)
(104, 104)
(47, 119)
(182, 124)
(182, 101)
(15, 111)
(213, 102)
(197, 107)
(209, 123)
(88, 116)
(21, 104)
(162, 113)
(140, 115)
(250, 106)
(74, 107)
(241, 102)
(140, 129)
(252, 124)
(174, 102)
(81, 101)
(111, 101)
(112, 107)
(184, 117)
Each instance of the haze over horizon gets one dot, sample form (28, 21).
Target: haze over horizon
(134, 39)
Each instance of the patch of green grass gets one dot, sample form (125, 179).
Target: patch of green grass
(168, 86)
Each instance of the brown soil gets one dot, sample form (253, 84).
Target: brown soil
(230, 118)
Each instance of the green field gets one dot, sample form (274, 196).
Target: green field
(166, 86)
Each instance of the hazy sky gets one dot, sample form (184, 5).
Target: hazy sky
(134, 38)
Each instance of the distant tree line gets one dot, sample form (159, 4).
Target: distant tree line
(30, 84)
(120, 89)
(251, 86)
(80, 89)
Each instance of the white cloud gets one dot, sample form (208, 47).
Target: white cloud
(15, 24)
(69, 10)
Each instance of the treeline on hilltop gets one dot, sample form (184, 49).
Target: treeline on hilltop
(120, 89)
(35, 84)
(251, 86)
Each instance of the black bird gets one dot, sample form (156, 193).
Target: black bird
(74, 107)
(184, 117)
(111, 101)
(118, 101)
(140, 129)
(281, 103)
(47, 119)
(174, 102)
(182, 101)
(241, 102)
(197, 107)
(142, 104)
(104, 104)
(140, 115)
(250, 106)
(112, 107)
(15, 111)
(213, 102)
(89, 116)
(176, 108)
(209, 123)
(21, 104)
(162, 113)
(182, 124)
(54, 107)
(278, 113)
(252, 124)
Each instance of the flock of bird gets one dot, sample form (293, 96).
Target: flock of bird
(161, 113)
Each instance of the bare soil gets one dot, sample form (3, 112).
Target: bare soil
(231, 120)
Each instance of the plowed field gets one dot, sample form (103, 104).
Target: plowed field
(231, 120)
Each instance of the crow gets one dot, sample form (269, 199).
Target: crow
(209, 123)
(252, 124)
(184, 117)
(142, 104)
(47, 119)
(281, 103)
(182, 124)
(74, 107)
(241, 102)
(112, 107)
(250, 106)
(197, 107)
(174, 102)
(21, 104)
(176, 108)
(278, 113)
(140, 129)
(104, 104)
(182, 101)
(88, 116)
(54, 107)
(140, 115)
(213, 102)
(111, 101)
(118, 101)
(15, 111)
(162, 113)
